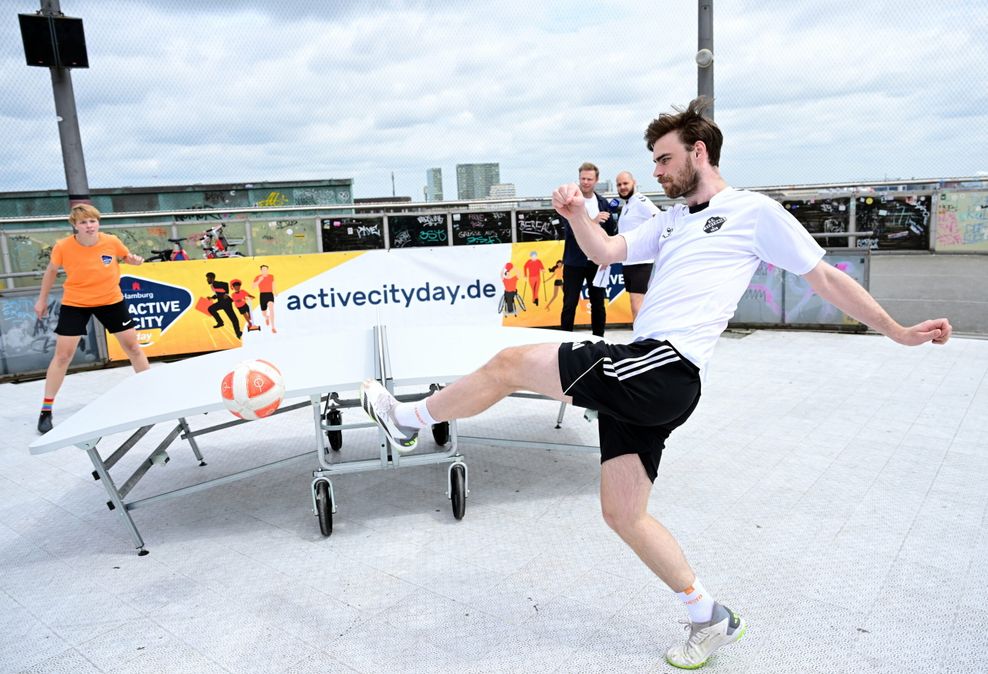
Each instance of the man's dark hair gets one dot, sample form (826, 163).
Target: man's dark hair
(691, 126)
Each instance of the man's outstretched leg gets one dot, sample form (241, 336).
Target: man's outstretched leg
(534, 367)
(624, 492)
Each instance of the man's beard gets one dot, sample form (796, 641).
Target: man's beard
(684, 184)
(625, 195)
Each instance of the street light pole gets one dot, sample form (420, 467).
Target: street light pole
(705, 53)
(68, 123)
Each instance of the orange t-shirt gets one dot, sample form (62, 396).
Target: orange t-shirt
(92, 272)
(265, 284)
(240, 298)
(533, 268)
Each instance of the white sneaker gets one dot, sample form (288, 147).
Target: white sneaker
(379, 404)
(725, 627)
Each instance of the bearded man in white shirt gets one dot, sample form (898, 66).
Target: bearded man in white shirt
(705, 252)
(637, 209)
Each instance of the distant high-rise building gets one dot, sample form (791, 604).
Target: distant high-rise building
(604, 186)
(473, 181)
(434, 184)
(502, 191)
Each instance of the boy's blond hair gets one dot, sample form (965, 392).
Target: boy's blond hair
(82, 212)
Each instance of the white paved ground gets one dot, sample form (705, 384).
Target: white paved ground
(831, 488)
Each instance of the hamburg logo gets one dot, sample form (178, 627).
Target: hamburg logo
(154, 306)
(713, 224)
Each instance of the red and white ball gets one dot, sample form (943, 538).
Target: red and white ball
(253, 389)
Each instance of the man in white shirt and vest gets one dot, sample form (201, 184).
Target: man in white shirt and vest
(705, 253)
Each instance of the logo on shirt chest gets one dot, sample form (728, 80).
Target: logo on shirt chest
(666, 234)
(107, 259)
(713, 224)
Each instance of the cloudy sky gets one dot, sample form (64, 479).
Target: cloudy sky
(182, 91)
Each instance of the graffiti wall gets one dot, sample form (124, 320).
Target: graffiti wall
(962, 222)
(27, 343)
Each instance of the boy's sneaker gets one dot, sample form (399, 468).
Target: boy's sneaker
(725, 627)
(44, 422)
(379, 404)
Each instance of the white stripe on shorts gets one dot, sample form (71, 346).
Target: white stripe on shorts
(631, 367)
(583, 374)
(665, 349)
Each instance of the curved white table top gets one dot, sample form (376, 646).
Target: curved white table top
(311, 365)
(169, 391)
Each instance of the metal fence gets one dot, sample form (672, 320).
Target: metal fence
(909, 218)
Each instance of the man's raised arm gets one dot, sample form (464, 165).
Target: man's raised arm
(599, 246)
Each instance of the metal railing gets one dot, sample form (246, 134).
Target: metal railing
(853, 196)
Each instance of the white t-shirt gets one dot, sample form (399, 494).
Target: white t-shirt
(704, 262)
(636, 210)
(590, 203)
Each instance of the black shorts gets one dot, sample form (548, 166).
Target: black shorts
(636, 277)
(245, 309)
(558, 282)
(642, 391)
(265, 298)
(73, 321)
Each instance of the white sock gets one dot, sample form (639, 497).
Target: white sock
(698, 602)
(414, 415)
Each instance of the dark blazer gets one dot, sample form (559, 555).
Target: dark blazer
(572, 254)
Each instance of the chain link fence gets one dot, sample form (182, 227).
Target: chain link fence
(181, 92)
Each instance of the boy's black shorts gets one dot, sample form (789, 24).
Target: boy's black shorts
(265, 298)
(637, 276)
(72, 321)
(642, 391)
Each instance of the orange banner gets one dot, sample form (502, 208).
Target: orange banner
(536, 275)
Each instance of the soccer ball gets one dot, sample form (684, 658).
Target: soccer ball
(253, 389)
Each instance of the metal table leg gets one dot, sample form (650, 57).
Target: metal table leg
(116, 502)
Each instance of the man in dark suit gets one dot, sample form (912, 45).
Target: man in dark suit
(577, 269)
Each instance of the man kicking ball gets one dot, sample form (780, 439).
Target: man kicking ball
(705, 253)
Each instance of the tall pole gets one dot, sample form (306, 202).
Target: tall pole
(68, 124)
(705, 52)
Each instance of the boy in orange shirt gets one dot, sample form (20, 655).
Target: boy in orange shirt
(92, 288)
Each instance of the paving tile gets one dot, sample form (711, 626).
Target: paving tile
(69, 662)
(25, 641)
